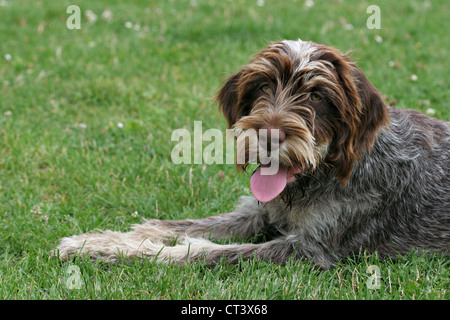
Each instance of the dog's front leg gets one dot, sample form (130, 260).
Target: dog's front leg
(250, 219)
(247, 221)
(279, 250)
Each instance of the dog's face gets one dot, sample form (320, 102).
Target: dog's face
(321, 105)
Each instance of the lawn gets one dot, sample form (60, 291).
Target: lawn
(86, 117)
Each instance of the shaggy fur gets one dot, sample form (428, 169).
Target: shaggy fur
(361, 175)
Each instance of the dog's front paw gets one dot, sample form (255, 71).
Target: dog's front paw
(102, 246)
(68, 246)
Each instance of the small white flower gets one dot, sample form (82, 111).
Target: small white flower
(414, 77)
(82, 125)
(8, 113)
(36, 210)
(107, 15)
(378, 39)
(135, 214)
(391, 63)
(430, 112)
(260, 3)
(90, 16)
(128, 25)
(309, 3)
(348, 26)
(119, 125)
(426, 103)
(8, 57)
(58, 52)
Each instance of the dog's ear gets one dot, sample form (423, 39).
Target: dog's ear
(374, 113)
(361, 114)
(228, 98)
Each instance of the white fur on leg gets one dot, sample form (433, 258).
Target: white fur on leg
(108, 246)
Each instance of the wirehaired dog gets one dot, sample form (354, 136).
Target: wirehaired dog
(353, 173)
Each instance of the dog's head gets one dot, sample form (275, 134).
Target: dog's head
(318, 101)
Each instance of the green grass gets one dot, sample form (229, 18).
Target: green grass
(66, 167)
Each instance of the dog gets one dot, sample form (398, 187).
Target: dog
(354, 174)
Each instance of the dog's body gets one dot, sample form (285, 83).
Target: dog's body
(358, 174)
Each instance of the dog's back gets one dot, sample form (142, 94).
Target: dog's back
(409, 169)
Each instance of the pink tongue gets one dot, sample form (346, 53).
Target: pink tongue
(268, 187)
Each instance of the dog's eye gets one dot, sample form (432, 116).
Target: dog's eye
(315, 97)
(265, 88)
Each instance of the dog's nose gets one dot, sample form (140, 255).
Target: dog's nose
(272, 137)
